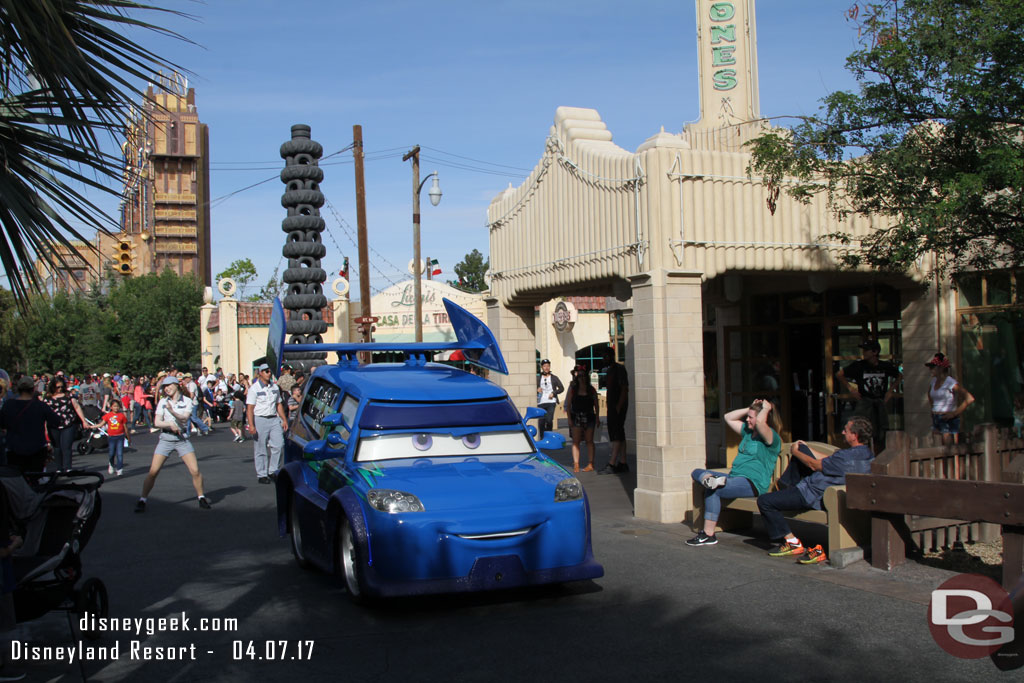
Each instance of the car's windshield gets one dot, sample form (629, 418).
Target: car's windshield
(400, 445)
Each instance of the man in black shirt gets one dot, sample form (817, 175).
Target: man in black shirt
(877, 381)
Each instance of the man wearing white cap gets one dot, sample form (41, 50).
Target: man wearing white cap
(265, 417)
(171, 416)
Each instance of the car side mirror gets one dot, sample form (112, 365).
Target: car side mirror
(534, 412)
(314, 450)
(552, 441)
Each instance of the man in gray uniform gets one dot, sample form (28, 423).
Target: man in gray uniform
(265, 417)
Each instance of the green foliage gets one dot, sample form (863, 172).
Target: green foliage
(243, 272)
(932, 142)
(157, 320)
(68, 76)
(12, 331)
(470, 271)
(142, 325)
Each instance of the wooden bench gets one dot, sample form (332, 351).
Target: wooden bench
(847, 528)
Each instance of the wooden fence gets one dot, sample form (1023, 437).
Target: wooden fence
(974, 492)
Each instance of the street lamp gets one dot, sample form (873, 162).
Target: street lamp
(435, 198)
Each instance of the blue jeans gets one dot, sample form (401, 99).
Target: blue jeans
(735, 487)
(115, 448)
(194, 419)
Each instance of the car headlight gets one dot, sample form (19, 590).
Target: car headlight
(391, 501)
(568, 489)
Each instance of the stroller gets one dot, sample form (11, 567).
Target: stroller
(55, 513)
(95, 438)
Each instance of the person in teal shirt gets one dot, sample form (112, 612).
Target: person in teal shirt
(751, 473)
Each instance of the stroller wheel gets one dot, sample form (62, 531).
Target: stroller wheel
(92, 598)
(85, 446)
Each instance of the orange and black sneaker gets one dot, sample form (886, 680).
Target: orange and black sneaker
(815, 556)
(788, 549)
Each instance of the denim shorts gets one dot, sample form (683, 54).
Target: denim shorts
(943, 426)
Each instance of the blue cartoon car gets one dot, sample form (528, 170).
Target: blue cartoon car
(414, 478)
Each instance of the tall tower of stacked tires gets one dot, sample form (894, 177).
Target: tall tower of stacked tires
(305, 300)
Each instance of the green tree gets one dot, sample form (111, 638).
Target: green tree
(12, 332)
(69, 76)
(157, 321)
(470, 271)
(68, 332)
(243, 272)
(932, 142)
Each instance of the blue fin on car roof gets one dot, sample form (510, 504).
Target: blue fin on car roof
(474, 338)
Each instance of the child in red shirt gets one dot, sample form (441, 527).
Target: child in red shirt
(117, 437)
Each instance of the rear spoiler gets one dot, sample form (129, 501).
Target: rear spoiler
(474, 338)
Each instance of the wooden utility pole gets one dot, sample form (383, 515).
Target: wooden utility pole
(364, 258)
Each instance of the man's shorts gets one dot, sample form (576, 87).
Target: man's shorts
(236, 424)
(170, 444)
(616, 425)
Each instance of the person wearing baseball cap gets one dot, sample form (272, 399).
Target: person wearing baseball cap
(548, 389)
(948, 398)
(171, 416)
(265, 418)
(876, 380)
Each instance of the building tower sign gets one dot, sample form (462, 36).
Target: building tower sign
(727, 57)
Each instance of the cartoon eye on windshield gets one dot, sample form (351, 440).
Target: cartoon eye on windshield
(395, 446)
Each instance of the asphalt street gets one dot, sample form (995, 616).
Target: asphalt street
(663, 610)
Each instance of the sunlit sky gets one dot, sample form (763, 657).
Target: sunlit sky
(476, 84)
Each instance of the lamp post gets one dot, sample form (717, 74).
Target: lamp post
(435, 199)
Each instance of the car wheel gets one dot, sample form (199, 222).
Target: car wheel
(92, 598)
(350, 561)
(295, 529)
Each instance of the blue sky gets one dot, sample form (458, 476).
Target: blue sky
(475, 79)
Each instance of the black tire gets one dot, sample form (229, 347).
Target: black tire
(314, 173)
(295, 532)
(306, 327)
(300, 222)
(314, 198)
(299, 249)
(351, 563)
(297, 146)
(92, 598)
(300, 274)
(84, 446)
(295, 301)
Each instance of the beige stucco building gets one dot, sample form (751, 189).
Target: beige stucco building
(729, 290)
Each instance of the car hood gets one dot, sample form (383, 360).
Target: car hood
(460, 483)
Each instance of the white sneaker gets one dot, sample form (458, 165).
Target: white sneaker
(120, 472)
(110, 469)
(713, 481)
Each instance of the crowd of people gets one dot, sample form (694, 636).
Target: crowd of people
(41, 415)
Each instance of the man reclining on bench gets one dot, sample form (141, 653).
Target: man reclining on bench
(803, 484)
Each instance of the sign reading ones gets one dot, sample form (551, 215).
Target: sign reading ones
(723, 45)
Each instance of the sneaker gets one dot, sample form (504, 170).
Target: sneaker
(110, 469)
(140, 505)
(815, 555)
(621, 468)
(120, 472)
(203, 503)
(713, 481)
(702, 539)
(263, 480)
(607, 469)
(787, 550)
(273, 477)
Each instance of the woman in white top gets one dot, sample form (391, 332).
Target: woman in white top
(949, 399)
